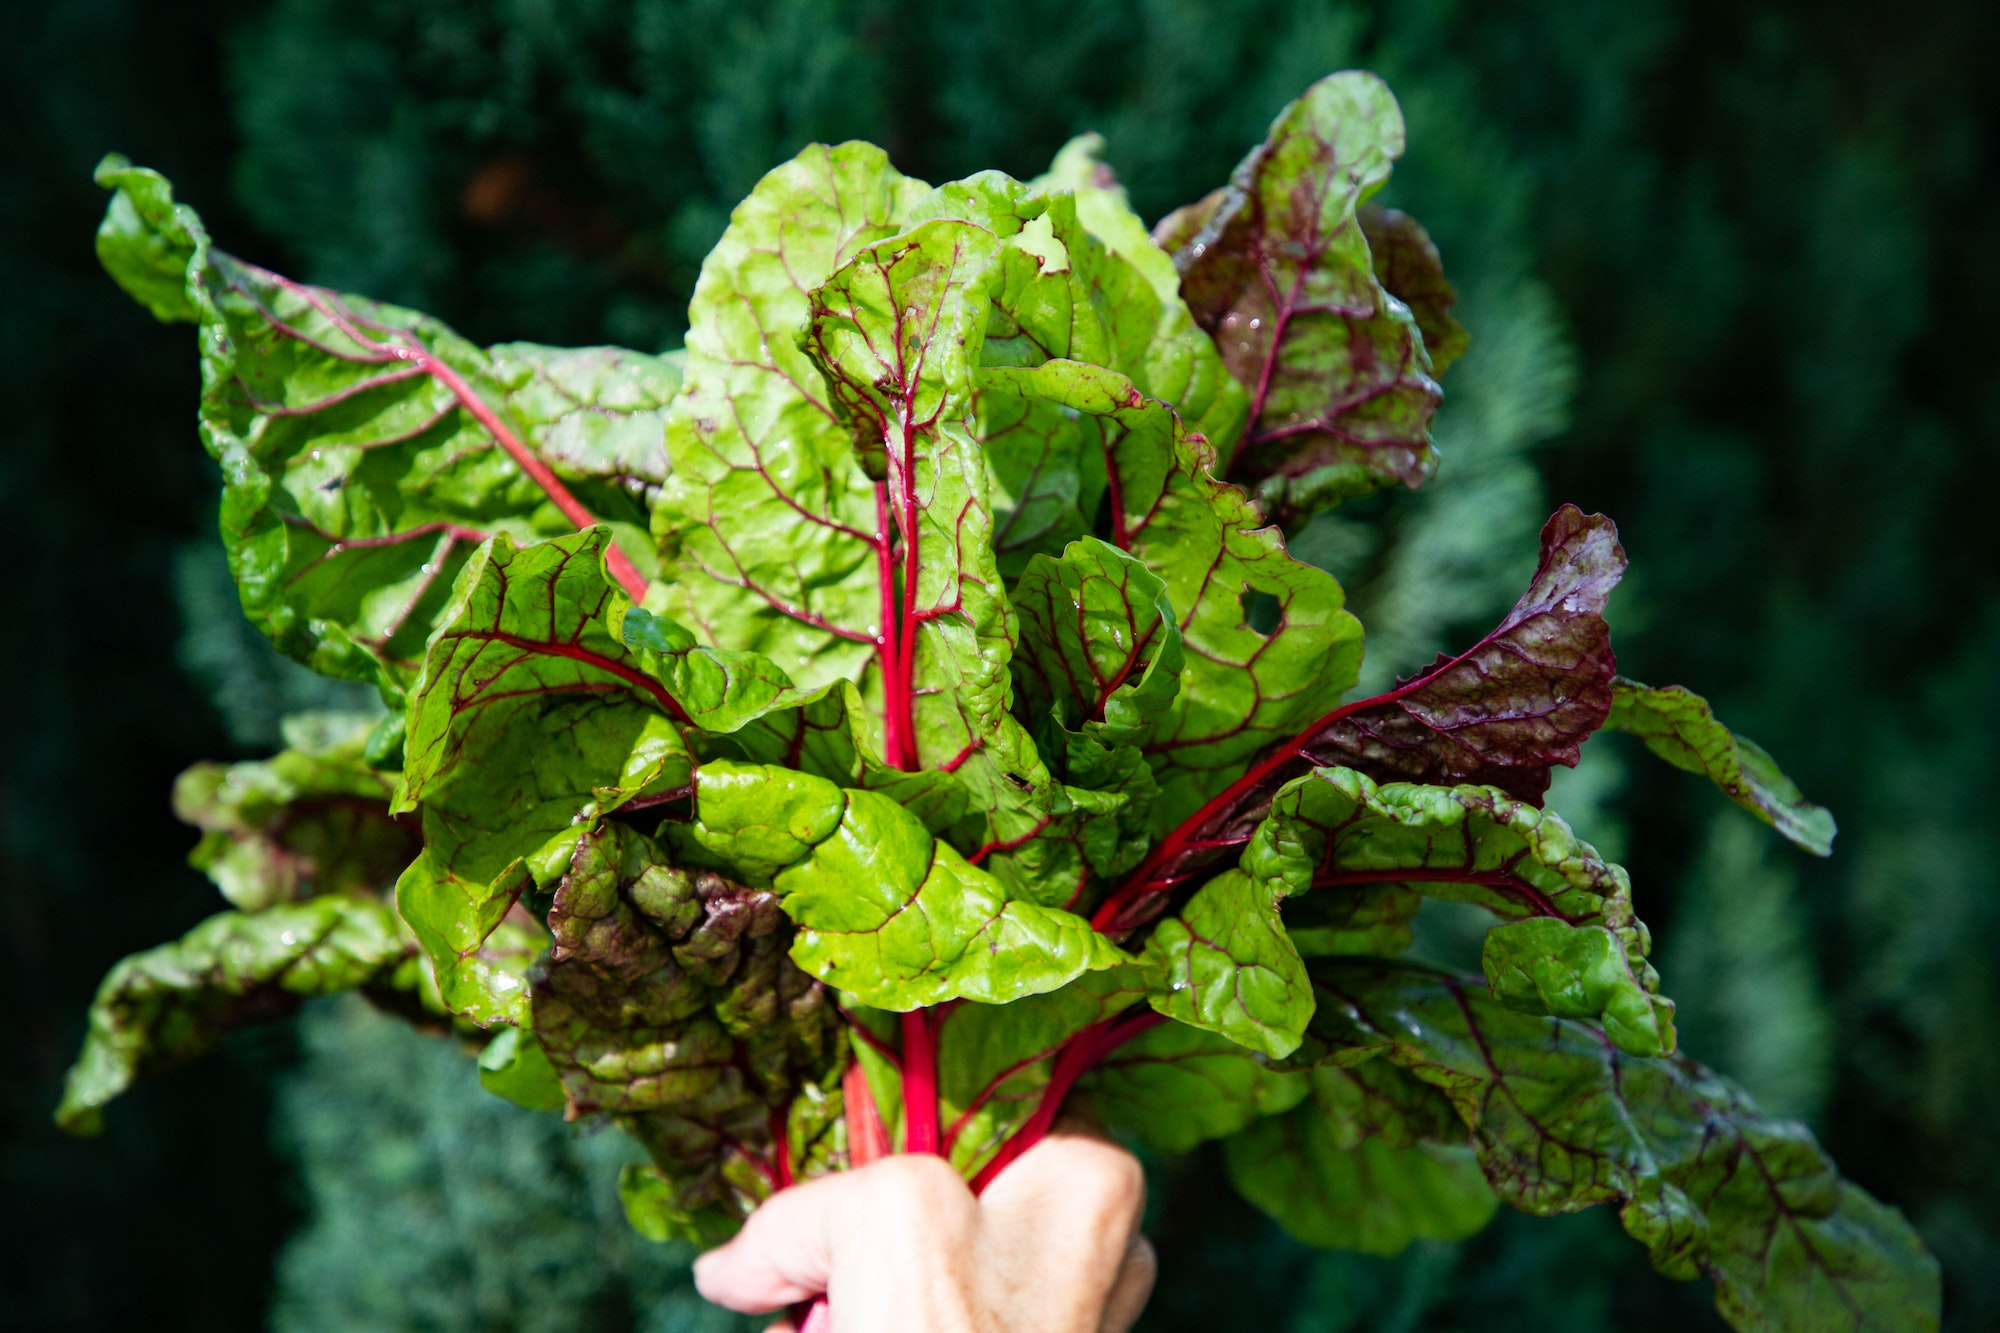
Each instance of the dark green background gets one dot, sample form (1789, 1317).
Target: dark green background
(1767, 234)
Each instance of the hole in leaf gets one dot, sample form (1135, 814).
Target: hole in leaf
(1261, 611)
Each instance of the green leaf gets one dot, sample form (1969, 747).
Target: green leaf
(995, 1059)
(769, 522)
(147, 240)
(532, 709)
(785, 543)
(313, 819)
(1562, 1120)
(1061, 294)
(885, 911)
(1100, 646)
(1279, 272)
(167, 1005)
(1575, 946)
(661, 1208)
(593, 412)
(1225, 964)
(1372, 1197)
(1182, 367)
(897, 332)
(1679, 726)
(366, 449)
(1099, 667)
(515, 1067)
(1177, 1086)
(830, 734)
(1548, 966)
(1242, 688)
(479, 955)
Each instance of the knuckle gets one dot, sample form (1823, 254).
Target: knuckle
(921, 1179)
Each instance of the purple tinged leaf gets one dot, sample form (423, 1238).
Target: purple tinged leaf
(1409, 269)
(1520, 700)
(1524, 698)
(1562, 1120)
(1278, 270)
(667, 1000)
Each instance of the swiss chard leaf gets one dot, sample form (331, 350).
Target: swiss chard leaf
(1503, 712)
(545, 692)
(667, 1000)
(1278, 270)
(476, 937)
(1679, 726)
(1373, 1195)
(162, 1007)
(1241, 688)
(1064, 294)
(996, 1060)
(1572, 945)
(1183, 367)
(1562, 1120)
(533, 713)
(312, 819)
(1523, 698)
(897, 331)
(885, 911)
(1225, 963)
(774, 533)
(1176, 1086)
(1409, 269)
(366, 449)
(1100, 645)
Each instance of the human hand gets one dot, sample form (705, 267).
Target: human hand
(902, 1246)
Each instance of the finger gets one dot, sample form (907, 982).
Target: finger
(890, 1238)
(781, 1255)
(1056, 1225)
(1133, 1287)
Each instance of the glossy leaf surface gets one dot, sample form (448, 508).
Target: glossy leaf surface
(1562, 1120)
(1278, 270)
(366, 449)
(1571, 944)
(312, 819)
(885, 911)
(167, 1005)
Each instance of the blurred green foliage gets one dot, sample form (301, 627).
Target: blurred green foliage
(1765, 229)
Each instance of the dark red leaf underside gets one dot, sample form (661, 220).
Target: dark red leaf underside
(1501, 714)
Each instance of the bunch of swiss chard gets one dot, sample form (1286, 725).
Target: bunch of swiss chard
(898, 711)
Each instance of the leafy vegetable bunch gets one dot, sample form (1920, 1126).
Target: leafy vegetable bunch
(898, 710)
